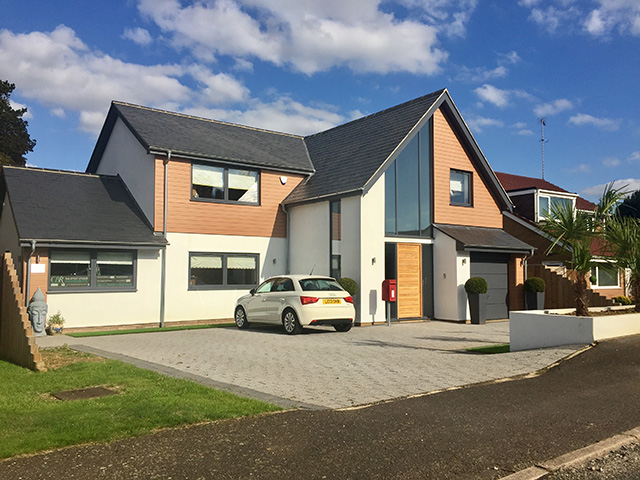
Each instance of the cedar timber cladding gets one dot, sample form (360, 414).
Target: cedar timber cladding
(38, 280)
(448, 153)
(409, 280)
(187, 216)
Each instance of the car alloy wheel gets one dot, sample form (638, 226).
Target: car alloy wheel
(290, 322)
(241, 318)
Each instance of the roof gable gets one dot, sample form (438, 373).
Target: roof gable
(69, 207)
(159, 130)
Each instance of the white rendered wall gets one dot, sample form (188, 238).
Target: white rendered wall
(309, 238)
(184, 304)
(372, 308)
(9, 235)
(125, 156)
(350, 244)
(449, 276)
(114, 308)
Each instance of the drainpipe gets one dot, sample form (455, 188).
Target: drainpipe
(163, 272)
(28, 286)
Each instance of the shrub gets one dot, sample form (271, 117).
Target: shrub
(622, 300)
(56, 319)
(476, 285)
(349, 284)
(535, 284)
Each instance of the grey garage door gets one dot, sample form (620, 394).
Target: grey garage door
(493, 267)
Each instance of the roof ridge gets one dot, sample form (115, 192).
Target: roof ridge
(204, 119)
(56, 170)
(437, 93)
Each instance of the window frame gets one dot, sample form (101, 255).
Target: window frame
(469, 175)
(596, 266)
(93, 272)
(549, 195)
(225, 285)
(225, 179)
(335, 207)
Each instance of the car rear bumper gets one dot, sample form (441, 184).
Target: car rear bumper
(332, 321)
(334, 315)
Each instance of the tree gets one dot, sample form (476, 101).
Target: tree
(630, 206)
(15, 141)
(623, 244)
(576, 232)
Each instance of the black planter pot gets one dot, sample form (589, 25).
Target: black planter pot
(478, 308)
(534, 300)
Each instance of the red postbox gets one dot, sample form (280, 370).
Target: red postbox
(389, 290)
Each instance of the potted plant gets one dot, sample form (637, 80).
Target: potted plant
(56, 323)
(476, 288)
(534, 288)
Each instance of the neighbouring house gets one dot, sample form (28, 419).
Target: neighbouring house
(533, 198)
(402, 194)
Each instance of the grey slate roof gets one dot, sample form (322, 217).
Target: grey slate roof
(207, 139)
(347, 156)
(483, 238)
(66, 207)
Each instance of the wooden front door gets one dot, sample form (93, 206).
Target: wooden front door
(409, 280)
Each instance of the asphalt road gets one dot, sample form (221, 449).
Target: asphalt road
(481, 432)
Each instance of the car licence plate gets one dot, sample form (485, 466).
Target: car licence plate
(331, 300)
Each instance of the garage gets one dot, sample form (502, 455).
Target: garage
(494, 268)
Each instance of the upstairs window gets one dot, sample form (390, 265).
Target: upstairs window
(548, 203)
(222, 184)
(460, 188)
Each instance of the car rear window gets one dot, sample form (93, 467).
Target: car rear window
(320, 284)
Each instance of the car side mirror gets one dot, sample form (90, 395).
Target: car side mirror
(252, 291)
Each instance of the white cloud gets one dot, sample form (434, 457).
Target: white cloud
(586, 119)
(611, 162)
(477, 123)
(19, 106)
(582, 168)
(58, 70)
(553, 108)
(598, 18)
(499, 97)
(307, 35)
(595, 192)
(635, 156)
(525, 131)
(137, 35)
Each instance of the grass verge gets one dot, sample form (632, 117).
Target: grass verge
(32, 420)
(491, 349)
(104, 333)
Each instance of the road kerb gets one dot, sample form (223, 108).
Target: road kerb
(576, 457)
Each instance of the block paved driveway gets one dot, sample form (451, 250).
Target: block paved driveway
(324, 368)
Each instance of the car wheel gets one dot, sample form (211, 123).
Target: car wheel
(241, 318)
(290, 322)
(343, 327)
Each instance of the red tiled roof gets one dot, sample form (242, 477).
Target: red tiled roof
(512, 182)
(583, 204)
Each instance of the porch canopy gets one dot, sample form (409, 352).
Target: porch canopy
(483, 239)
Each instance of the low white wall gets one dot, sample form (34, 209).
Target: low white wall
(535, 329)
(97, 309)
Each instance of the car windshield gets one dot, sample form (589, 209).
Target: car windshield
(320, 284)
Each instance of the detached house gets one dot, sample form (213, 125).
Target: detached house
(402, 194)
(533, 199)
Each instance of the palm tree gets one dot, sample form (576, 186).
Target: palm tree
(576, 232)
(623, 244)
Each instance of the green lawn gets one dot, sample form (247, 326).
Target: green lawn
(103, 333)
(32, 420)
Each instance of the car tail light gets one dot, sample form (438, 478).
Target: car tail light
(348, 299)
(308, 300)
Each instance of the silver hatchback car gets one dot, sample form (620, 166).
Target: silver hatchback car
(296, 301)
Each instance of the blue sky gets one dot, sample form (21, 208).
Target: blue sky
(301, 66)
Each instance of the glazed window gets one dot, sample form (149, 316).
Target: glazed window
(220, 270)
(604, 275)
(78, 270)
(221, 184)
(460, 188)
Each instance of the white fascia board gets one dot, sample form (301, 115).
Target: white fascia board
(553, 193)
